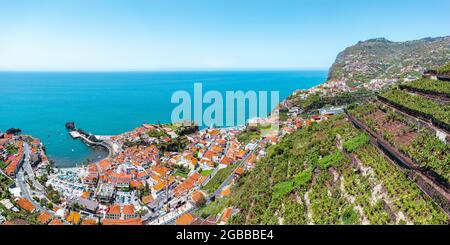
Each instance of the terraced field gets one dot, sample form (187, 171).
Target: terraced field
(330, 174)
(421, 145)
(429, 86)
(392, 169)
(419, 106)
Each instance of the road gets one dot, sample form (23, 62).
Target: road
(214, 172)
(29, 170)
(171, 217)
(230, 177)
(24, 188)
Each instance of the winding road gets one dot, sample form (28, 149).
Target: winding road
(24, 188)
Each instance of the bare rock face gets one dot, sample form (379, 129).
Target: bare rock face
(70, 125)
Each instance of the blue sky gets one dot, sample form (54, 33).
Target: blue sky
(213, 34)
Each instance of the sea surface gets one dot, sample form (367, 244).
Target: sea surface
(109, 103)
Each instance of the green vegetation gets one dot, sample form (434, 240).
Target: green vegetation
(53, 195)
(250, 133)
(157, 133)
(181, 171)
(218, 179)
(350, 217)
(445, 69)
(214, 208)
(331, 160)
(403, 192)
(177, 144)
(420, 105)
(356, 185)
(357, 141)
(307, 166)
(429, 86)
(206, 172)
(185, 129)
(283, 116)
(430, 153)
(282, 188)
(275, 189)
(3, 165)
(5, 182)
(303, 178)
(312, 103)
(11, 149)
(424, 147)
(31, 218)
(382, 59)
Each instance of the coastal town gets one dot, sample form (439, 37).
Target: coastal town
(155, 174)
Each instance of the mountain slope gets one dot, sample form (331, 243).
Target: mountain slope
(383, 59)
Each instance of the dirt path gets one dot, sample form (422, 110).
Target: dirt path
(309, 213)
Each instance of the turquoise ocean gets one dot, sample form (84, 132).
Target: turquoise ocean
(109, 103)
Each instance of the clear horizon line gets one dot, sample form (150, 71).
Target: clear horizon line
(176, 69)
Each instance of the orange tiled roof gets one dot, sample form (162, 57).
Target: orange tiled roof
(185, 219)
(89, 222)
(136, 184)
(197, 196)
(156, 177)
(56, 221)
(128, 209)
(74, 218)
(26, 204)
(251, 158)
(161, 170)
(132, 221)
(147, 126)
(214, 132)
(85, 194)
(160, 185)
(226, 214)
(92, 168)
(119, 176)
(239, 171)
(217, 149)
(209, 155)
(226, 160)
(16, 222)
(226, 192)
(44, 218)
(105, 164)
(241, 153)
(147, 199)
(114, 209)
(142, 175)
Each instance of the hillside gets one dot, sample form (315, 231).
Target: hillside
(383, 59)
(309, 178)
(386, 161)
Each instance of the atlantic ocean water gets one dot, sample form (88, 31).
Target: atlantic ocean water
(109, 103)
